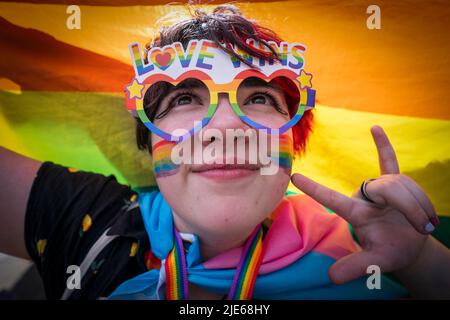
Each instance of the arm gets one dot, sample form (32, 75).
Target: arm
(66, 212)
(393, 227)
(17, 173)
(428, 276)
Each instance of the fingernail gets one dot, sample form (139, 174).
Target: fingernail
(429, 227)
(435, 221)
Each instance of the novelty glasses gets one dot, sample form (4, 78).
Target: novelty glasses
(197, 74)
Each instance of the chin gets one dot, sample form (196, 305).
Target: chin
(233, 212)
(226, 219)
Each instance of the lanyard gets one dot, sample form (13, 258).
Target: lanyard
(244, 278)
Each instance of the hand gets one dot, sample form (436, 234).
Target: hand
(393, 230)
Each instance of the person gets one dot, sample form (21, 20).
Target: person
(221, 231)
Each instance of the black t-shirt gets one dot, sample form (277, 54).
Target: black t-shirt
(67, 212)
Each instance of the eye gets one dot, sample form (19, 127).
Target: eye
(183, 100)
(259, 99)
(262, 98)
(265, 98)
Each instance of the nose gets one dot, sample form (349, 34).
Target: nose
(225, 117)
(216, 130)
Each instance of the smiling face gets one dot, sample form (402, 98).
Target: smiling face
(212, 198)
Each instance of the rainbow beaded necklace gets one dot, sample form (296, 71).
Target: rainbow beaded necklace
(244, 278)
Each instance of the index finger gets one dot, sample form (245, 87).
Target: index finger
(336, 201)
(386, 155)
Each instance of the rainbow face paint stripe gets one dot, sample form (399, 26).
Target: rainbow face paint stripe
(247, 271)
(163, 165)
(204, 60)
(176, 275)
(285, 155)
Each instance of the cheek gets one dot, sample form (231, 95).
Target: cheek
(175, 189)
(170, 176)
(178, 122)
(273, 189)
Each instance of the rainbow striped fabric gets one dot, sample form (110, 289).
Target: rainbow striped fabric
(247, 271)
(244, 279)
(175, 267)
(74, 115)
(293, 263)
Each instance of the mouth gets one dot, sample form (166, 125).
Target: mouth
(225, 171)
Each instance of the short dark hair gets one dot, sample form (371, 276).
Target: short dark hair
(228, 28)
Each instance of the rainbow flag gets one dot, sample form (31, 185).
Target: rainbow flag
(61, 89)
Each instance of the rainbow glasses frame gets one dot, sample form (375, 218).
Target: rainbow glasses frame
(135, 104)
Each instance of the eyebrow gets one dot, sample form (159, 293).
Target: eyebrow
(257, 82)
(188, 83)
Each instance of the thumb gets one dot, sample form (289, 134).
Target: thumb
(351, 267)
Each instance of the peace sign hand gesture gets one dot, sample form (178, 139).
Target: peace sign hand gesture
(392, 229)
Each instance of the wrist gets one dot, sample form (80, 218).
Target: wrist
(419, 263)
(427, 277)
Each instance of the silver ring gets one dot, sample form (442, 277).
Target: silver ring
(364, 191)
